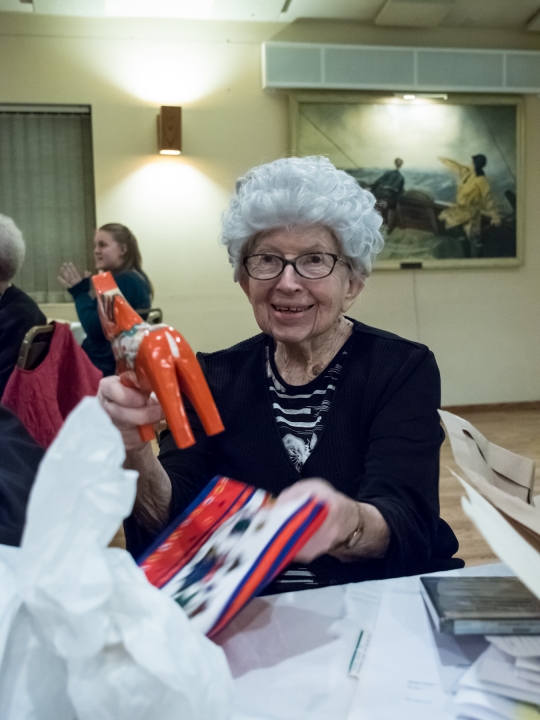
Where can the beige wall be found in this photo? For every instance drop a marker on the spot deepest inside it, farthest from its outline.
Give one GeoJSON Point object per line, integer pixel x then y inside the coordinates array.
{"type": "Point", "coordinates": [482, 325]}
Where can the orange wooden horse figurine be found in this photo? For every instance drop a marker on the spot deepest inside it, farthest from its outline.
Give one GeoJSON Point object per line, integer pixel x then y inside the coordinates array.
{"type": "Point", "coordinates": [155, 358]}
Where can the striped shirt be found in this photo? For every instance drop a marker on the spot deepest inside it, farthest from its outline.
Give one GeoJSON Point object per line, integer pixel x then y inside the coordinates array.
{"type": "Point", "coordinates": [301, 410]}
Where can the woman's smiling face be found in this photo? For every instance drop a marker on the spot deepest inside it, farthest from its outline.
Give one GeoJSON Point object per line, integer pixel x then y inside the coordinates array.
{"type": "Point", "coordinates": [291, 308]}
{"type": "Point", "coordinates": [108, 254]}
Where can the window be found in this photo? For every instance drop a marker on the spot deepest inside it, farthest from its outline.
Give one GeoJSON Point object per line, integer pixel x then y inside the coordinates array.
{"type": "Point", "coordinates": [47, 187]}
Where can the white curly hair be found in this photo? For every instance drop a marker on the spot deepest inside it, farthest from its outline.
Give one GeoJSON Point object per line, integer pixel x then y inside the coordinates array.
{"type": "Point", "coordinates": [12, 248]}
{"type": "Point", "coordinates": [298, 192]}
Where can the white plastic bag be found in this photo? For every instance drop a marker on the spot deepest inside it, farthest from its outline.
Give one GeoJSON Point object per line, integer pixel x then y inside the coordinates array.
{"type": "Point", "coordinates": [83, 635]}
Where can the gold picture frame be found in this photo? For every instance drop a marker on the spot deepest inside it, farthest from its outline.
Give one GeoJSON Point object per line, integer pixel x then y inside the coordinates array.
{"type": "Point", "coordinates": [441, 208]}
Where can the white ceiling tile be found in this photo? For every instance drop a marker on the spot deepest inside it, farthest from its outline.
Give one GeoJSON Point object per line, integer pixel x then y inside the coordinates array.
{"type": "Point", "coordinates": [247, 10]}
{"type": "Point", "coordinates": [533, 24]}
{"type": "Point", "coordinates": [503, 14]}
{"type": "Point", "coordinates": [180, 9]}
{"type": "Point", "coordinates": [81, 8]}
{"type": "Point", "coordinates": [507, 14]}
{"type": "Point", "coordinates": [361, 10]}
{"type": "Point", "coordinates": [413, 13]}
{"type": "Point", "coordinates": [15, 6]}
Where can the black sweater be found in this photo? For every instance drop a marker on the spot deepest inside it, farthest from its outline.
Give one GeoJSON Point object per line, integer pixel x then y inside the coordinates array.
{"type": "Point", "coordinates": [380, 445]}
{"type": "Point", "coordinates": [20, 456]}
{"type": "Point", "coordinates": [18, 313]}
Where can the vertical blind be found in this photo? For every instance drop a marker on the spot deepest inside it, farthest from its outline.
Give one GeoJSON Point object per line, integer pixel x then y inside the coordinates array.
{"type": "Point", "coordinates": [47, 187]}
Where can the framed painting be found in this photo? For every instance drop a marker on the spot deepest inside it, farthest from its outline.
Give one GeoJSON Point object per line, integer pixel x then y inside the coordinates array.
{"type": "Point", "coordinates": [446, 170]}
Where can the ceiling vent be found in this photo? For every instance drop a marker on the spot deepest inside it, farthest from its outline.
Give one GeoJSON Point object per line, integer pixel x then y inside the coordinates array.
{"type": "Point", "coordinates": [361, 67]}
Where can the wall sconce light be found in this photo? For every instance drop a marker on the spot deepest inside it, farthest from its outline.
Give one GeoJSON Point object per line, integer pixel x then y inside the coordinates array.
{"type": "Point", "coordinates": [169, 124]}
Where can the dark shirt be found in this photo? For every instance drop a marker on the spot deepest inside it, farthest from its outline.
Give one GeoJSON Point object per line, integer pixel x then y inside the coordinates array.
{"type": "Point", "coordinates": [380, 445]}
{"type": "Point", "coordinates": [134, 288]}
{"type": "Point", "coordinates": [19, 459]}
{"type": "Point", "coordinates": [18, 313]}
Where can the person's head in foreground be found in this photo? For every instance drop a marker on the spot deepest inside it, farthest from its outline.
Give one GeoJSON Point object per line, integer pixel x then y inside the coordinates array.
{"type": "Point", "coordinates": [316, 404]}
{"type": "Point", "coordinates": [12, 250]}
{"type": "Point", "coordinates": [301, 236]}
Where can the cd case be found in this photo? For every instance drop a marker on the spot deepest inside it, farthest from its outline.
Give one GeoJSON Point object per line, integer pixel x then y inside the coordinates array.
{"type": "Point", "coordinates": [226, 547]}
{"type": "Point", "coordinates": [481, 605]}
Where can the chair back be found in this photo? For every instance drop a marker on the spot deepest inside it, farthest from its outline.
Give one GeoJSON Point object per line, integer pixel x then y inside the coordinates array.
{"type": "Point", "coordinates": [35, 346]}
{"type": "Point", "coordinates": [153, 316]}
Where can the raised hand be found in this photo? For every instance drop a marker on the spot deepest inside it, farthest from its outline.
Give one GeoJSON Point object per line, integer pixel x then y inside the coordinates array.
{"type": "Point", "coordinates": [70, 276]}
{"type": "Point", "coordinates": [155, 358]}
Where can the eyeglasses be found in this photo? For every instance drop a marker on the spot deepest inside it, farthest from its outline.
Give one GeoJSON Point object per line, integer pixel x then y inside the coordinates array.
{"type": "Point", "coordinates": [311, 266]}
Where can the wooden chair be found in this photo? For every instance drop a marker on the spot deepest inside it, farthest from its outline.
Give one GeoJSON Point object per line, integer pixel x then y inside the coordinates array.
{"type": "Point", "coordinates": [35, 346]}
{"type": "Point", "coordinates": [153, 316]}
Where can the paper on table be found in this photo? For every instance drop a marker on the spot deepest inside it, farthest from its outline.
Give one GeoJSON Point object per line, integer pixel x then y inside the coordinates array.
{"type": "Point", "coordinates": [514, 544]}
{"type": "Point", "coordinates": [487, 706]}
{"type": "Point", "coordinates": [517, 645]}
{"type": "Point", "coordinates": [474, 454]}
{"type": "Point", "coordinates": [454, 654]}
{"type": "Point", "coordinates": [502, 477]}
{"type": "Point", "coordinates": [399, 678]}
{"type": "Point", "coordinates": [498, 498]}
{"type": "Point", "coordinates": [528, 663]}
{"type": "Point", "coordinates": [532, 676]}
{"type": "Point", "coordinates": [289, 654]}
{"type": "Point", "coordinates": [521, 512]}
{"type": "Point", "coordinates": [495, 672]}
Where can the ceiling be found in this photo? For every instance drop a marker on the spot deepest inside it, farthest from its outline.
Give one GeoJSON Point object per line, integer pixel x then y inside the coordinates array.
{"type": "Point", "coordinates": [502, 14]}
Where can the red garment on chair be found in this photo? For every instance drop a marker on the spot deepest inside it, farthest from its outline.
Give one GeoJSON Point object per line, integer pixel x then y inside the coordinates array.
{"type": "Point", "coordinates": [43, 398]}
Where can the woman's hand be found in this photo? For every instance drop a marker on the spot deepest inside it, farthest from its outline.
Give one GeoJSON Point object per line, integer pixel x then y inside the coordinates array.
{"type": "Point", "coordinates": [70, 276]}
{"type": "Point", "coordinates": [128, 408]}
{"type": "Point", "coordinates": [344, 516]}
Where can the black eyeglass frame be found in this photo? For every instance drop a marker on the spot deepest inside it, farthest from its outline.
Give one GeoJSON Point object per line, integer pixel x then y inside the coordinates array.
{"type": "Point", "coordinates": [285, 262]}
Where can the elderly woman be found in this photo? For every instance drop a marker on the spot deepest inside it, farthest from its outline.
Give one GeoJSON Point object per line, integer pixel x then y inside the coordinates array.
{"type": "Point", "coordinates": [317, 402]}
{"type": "Point", "coordinates": [18, 312]}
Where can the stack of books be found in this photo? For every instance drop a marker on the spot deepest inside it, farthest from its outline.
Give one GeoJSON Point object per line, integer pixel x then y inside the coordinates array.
{"type": "Point", "coordinates": [481, 605]}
